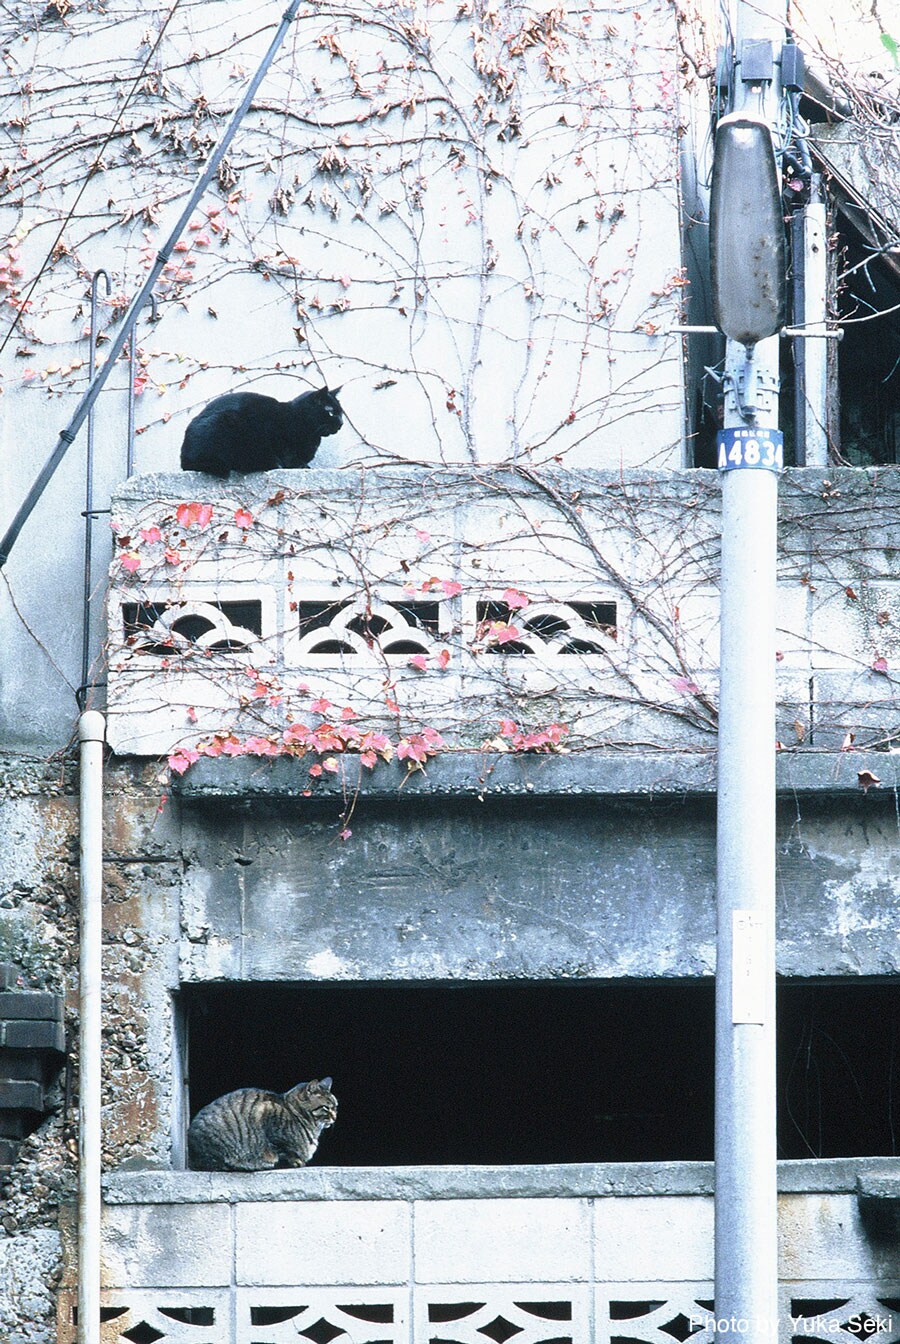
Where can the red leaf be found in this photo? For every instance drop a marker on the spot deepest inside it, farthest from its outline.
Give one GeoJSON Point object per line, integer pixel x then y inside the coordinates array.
{"type": "Point", "coordinates": [685, 685]}
{"type": "Point", "coordinates": [243, 518]}
{"type": "Point", "coordinates": [182, 758]}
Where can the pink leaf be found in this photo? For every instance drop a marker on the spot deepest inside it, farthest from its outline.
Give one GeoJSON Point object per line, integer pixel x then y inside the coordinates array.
{"type": "Point", "coordinates": [151, 534]}
{"type": "Point", "coordinates": [315, 771]}
{"type": "Point", "coordinates": [369, 759]}
{"type": "Point", "coordinates": [418, 661]}
{"type": "Point", "coordinates": [423, 536]}
{"type": "Point", "coordinates": [685, 685]}
{"type": "Point", "coordinates": [450, 587]}
{"type": "Point", "coordinates": [171, 557]}
{"type": "Point", "coordinates": [508, 728]}
{"type": "Point", "coordinates": [346, 833]}
{"type": "Point", "coordinates": [131, 561]}
{"type": "Point", "coordinates": [880, 665]}
{"type": "Point", "coordinates": [514, 599]}
{"type": "Point", "coordinates": [242, 517]}
{"type": "Point", "coordinates": [320, 706]}
{"type": "Point", "coordinates": [348, 714]}
{"type": "Point", "coordinates": [443, 658]}
{"type": "Point", "coordinates": [182, 758]}
{"type": "Point", "coordinates": [331, 765]}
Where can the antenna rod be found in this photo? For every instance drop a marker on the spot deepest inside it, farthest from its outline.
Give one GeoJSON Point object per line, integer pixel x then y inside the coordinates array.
{"type": "Point", "coordinates": [67, 436]}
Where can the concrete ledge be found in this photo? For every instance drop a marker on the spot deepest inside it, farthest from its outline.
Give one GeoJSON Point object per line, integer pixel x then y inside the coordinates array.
{"type": "Point", "coordinates": [663, 774]}
{"type": "Point", "coordinates": [582, 1180]}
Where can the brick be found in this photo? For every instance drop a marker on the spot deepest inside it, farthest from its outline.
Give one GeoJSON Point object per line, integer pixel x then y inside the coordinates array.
{"type": "Point", "coordinates": [9, 974]}
{"type": "Point", "coordinates": [651, 1238]}
{"type": "Point", "coordinates": [19, 1096]}
{"type": "Point", "coordinates": [34, 1004]}
{"type": "Point", "coordinates": [16, 1124]}
{"type": "Point", "coordinates": [503, 1240]}
{"type": "Point", "coordinates": [322, 1242]}
{"type": "Point", "coordinates": [167, 1246]}
{"type": "Point", "coordinates": [8, 1151]}
{"type": "Point", "coordinates": [23, 1066]}
{"type": "Point", "coordinates": [25, 1035]}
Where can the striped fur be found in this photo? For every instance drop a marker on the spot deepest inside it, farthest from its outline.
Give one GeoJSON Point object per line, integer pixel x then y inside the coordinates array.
{"type": "Point", "coordinates": [251, 1129]}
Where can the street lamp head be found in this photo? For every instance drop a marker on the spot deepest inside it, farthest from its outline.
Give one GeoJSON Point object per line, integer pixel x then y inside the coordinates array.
{"type": "Point", "coordinates": [747, 257]}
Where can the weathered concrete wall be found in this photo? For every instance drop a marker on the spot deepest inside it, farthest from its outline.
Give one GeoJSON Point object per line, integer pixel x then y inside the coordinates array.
{"type": "Point", "coordinates": [497, 889]}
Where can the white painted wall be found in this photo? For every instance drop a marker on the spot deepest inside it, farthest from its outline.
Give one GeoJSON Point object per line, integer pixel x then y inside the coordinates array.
{"type": "Point", "coordinates": [465, 215]}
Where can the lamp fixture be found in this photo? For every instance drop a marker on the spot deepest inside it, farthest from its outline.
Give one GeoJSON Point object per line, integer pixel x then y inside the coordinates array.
{"type": "Point", "coordinates": [747, 251]}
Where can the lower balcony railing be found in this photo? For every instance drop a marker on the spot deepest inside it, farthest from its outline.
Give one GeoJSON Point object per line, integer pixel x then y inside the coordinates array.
{"type": "Point", "coordinates": [564, 1255]}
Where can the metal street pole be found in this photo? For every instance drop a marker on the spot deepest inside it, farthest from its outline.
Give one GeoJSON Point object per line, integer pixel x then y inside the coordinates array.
{"type": "Point", "coordinates": [746, 1268]}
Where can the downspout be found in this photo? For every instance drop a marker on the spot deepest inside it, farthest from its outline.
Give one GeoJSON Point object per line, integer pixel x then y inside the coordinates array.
{"type": "Point", "coordinates": [91, 733]}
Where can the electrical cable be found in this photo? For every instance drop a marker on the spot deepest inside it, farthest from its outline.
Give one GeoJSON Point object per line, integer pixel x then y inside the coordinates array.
{"type": "Point", "coordinates": [90, 173]}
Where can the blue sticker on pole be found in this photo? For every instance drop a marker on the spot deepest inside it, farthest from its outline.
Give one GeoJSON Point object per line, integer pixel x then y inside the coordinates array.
{"type": "Point", "coordinates": [753, 449]}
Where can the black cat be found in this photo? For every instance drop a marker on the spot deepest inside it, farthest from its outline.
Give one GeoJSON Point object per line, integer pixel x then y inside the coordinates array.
{"type": "Point", "coordinates": [246, 431]}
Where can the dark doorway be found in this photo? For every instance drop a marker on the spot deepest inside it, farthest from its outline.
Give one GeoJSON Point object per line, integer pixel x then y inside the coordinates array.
{"type": "Point", "coordinates": [546, 1072]}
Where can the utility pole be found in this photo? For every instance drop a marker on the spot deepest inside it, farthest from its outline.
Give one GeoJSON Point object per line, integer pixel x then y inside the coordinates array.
{"type": "Point", "coordinates": [746, 1268]}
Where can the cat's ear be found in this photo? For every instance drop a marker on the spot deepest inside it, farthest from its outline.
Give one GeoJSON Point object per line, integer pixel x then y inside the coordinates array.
{"type": "Point", "coordinates": [334, 390]}
{"type": "Point", "coordinates": [326, 1083]}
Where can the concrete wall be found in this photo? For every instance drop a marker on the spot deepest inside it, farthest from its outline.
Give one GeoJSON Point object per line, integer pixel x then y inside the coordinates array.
{"type": "Point", "coordinates": [468, 220]}
{"type": "Point", "coordinates": [267, 1256]}
{"type": "Point", "coordinates": [612, 577]}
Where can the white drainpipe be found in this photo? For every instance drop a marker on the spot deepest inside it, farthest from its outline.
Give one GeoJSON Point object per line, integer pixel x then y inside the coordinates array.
{"type": "Point", "coordinates": [91, 733]}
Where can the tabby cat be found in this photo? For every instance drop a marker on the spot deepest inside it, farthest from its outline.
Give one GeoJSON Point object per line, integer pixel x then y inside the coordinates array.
{"type": "Point", "coordinates": [246, 431]}
{"type": "Point", "coordinates": [252, 1130]}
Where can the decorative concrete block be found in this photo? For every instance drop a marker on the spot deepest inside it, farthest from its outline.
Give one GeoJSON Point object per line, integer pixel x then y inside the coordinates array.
{"type": "Point", "coordinates": [530, 1313]}
{"type": "Point", "coordinates": [353, 1315]}
{"type": "Point", "coordinates": [502, 1241]}
{"type": "Point", "coordinates": [359, 1241]}
{"type": "Point", "coordinates": [167, 1245]}
{"type": "Point", "coordinates": [823, 1237]}
{"type": "Point", "coordinates": [652, 1238]}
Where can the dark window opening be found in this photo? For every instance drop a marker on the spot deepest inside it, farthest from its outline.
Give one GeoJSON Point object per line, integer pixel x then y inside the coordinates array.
{"type": "Point", "coordinates": [369, 625]}
{"type": "Point", "coordinates": [869, 353]}
{"type": "Point", "coordinates": [141, 619]}
{"type": "Point", "coordinates": [570, 618]}
{"type": "Point", "coordinates": [546, 1071]}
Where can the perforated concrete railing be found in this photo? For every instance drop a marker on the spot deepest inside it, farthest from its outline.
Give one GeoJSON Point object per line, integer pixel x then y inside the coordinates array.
{"type": "Point", "coordinates": [464, 600]}
{"type": "Point", "coordinates": [422, 1255]}
{"type": "Point", "coordinates": [551, 1313]}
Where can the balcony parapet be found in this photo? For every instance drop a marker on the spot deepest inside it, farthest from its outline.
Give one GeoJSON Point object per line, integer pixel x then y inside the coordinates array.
{"type": "Point", "coordinates": [413, 613]}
